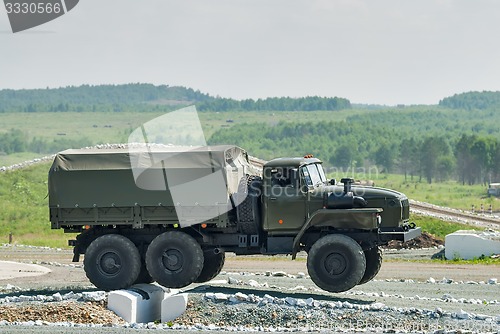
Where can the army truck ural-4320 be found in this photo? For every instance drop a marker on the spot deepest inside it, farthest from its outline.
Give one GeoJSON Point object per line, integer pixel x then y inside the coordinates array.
{"type": "Point", "coordinates": [137, 224]}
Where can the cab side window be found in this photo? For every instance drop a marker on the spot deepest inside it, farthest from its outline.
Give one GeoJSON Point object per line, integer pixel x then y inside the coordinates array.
{"type": "Point", "coordinates": [281, 177]}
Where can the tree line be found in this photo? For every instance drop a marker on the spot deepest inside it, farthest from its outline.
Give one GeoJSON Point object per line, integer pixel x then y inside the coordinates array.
{"type": "Point", "coordinates": [148, 97]}
{"type": "Point", "coordinates": [309, 103]}
{"type": "Point", "coordinates": [468, 158]}
{"type": "Point", "coordinates": [98, 98]}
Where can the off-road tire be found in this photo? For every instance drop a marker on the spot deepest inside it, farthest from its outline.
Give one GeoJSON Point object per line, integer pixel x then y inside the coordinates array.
{"type": "Point", "coordinates": [336, 263]}
{"type": "Point", "coordinates": [112, 262]}
{"type": "Point", "coordinates": [212, 266]}
{"type": "Point", "coordinates": [248, 211]}
{"type": "Point", "coordinates": [174, 259]}
{"type": "Point", "coordinates": [373, 263]}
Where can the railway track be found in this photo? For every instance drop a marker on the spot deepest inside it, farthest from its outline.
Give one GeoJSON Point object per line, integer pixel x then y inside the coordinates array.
{"type": "Point", "coordinates": [480, 220]}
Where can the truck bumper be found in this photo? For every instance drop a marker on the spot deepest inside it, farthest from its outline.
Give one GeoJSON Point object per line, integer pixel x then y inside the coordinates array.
{"type": "Point", "coordinates": [399, 234]}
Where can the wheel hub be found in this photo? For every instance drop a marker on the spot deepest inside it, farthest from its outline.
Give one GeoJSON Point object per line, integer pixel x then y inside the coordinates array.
{"type": "Point", "coordinates": [335, 264]}
{"type": "Point", "coordinates": [172, 260]}
{"type": "Point", "coordinates": [109, 263]}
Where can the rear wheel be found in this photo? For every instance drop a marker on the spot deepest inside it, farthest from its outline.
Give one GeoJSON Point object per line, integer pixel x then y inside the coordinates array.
{"type": "Point", "coordinates": [212, 265]}
{"type": "Point", "coordinates": [174, 259]}
{"type": "Point", "coordinates": [373, 263]}
{"type": "Point", "coordinates": [112, 262]}
{"type": "Point", "coordinates": [336, 263]}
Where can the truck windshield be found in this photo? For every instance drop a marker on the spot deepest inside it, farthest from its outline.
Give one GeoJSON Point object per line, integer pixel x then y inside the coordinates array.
{"type": "Point", "coordinates": [321, 172]}
{"type": "Point", "coordinates": [312, 175]}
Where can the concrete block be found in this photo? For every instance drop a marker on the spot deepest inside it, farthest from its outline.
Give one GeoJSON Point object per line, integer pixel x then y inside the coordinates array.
{"type": "Point", "coordinates": [173, 306]}
{"type": "Point", "coordinates": [141, 303]}
{"type": "Point", "coordinates": [470, 244]}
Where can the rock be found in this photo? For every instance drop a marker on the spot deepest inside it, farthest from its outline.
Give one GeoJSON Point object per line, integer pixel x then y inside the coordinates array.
{"type": "Point", "coordinates": [94, 296]}
{"type": "Point", "coordinates": [347, 305]}
{"type": "Point", "coordinates": [301, 275]}
{"type": "Point", "coordinates": [482, 316]}
{"type": "Point", "coordinates": [232, 280]}
{"type": "Point", "coordinates": [241, 296]}
{"type": "Point", "coordinates": [69, 295]}
{"type": "Point", "coordinates": [291, 301]}
{"type": "Point", "coordinates": [463, 315]}
{"type": "Point", "coordinates": [220, 296]}
{"type": "Point", "coordinates": [492, 281]}
{"type": "Point", "coordinates": [301, 303]}
{"type": "Point", "coordinates": [254, 284]}
{"type": "Point", "coordinates": [24, 298]}
{"type": "Point", "coordinates": [377, 306]}
{"type": "Point", "coordinates": [431, 280]}
{"type": "Point", "coordinates": [268, 298]}
{"type": "Point", "coordinates": [12, 287]}
{"type": "Point", "coordinates": [279, 274]}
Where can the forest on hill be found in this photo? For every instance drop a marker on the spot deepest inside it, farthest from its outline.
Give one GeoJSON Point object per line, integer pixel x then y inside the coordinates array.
{"type": "Point", "coordinates": [148, 97]}
{"type": "Point", "coordinates": [472, 100]}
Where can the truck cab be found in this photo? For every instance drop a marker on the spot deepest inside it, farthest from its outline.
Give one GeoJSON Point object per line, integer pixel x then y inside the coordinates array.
{"type": "Point", "coordinates": [295, 189]}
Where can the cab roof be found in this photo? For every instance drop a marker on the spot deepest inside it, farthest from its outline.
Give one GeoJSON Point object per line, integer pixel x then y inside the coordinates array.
{"type": "Point", "coordinates": [291, 162]}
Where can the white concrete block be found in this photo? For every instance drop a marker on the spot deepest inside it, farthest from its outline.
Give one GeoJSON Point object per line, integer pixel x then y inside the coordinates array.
{"type": "Point", "coordinates": [141, 303]}
{"type": "Point", "coordinates": [468, 244]}
{"type": "Point", "coordinates": [173, 306]}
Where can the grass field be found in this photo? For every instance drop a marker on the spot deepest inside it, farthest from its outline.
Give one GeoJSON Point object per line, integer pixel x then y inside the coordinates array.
{"type": "Point", "coordinates": [115, 127]}
{"type": "Point", "coordinates": [23, 208]}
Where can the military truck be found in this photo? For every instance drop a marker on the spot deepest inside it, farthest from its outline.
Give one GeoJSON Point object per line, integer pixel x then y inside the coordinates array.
{"type": "Point", "coordinates": [169, 215]}
{"type": "Point", "coordinates": [494, 189]}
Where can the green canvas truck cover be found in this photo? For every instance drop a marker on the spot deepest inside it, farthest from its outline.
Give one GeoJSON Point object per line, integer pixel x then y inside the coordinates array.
{"type": "Point", "coordinates": [197, 181]}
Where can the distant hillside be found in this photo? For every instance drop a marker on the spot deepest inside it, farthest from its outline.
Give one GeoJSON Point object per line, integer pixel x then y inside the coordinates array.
{"type": "Point", "coordinates": [148, 97]}
{"type": "Point", "coordinates": [91, 97]}
{"type": "Point", "coordinates": [472, 100]}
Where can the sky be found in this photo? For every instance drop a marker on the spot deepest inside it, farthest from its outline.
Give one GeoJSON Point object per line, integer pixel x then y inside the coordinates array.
{"type": "Point", "coordinates": [373, 52]}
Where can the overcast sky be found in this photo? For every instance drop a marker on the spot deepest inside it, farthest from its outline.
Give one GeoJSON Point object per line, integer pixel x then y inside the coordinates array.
{"type": "Point", "coordinates": [381, 52]}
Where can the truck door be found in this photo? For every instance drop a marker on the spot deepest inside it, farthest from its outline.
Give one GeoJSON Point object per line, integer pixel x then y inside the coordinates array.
{"type": "Point", "coordinates": [284, 202]}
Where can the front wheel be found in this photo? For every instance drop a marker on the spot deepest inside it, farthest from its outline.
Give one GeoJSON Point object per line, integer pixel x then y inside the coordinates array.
{"type": "Point", "coordinates": [112, 262]}
{"type": "Point", "coordinates": [174, 259]}
{"type": "Point", "coordinates": [336, 263]}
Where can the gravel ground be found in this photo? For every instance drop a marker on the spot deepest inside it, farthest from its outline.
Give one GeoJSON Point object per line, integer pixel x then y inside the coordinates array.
{"type": "Point", "coordinates": [265, 294]}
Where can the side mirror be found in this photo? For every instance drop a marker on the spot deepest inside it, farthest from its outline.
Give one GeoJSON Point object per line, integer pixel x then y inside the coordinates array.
{"type": "Point", "coordinates": [333, 182]}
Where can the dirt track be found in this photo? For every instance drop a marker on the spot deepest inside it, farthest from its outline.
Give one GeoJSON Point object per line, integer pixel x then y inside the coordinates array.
{"type": "Point", "coordinates": [400, 285]}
